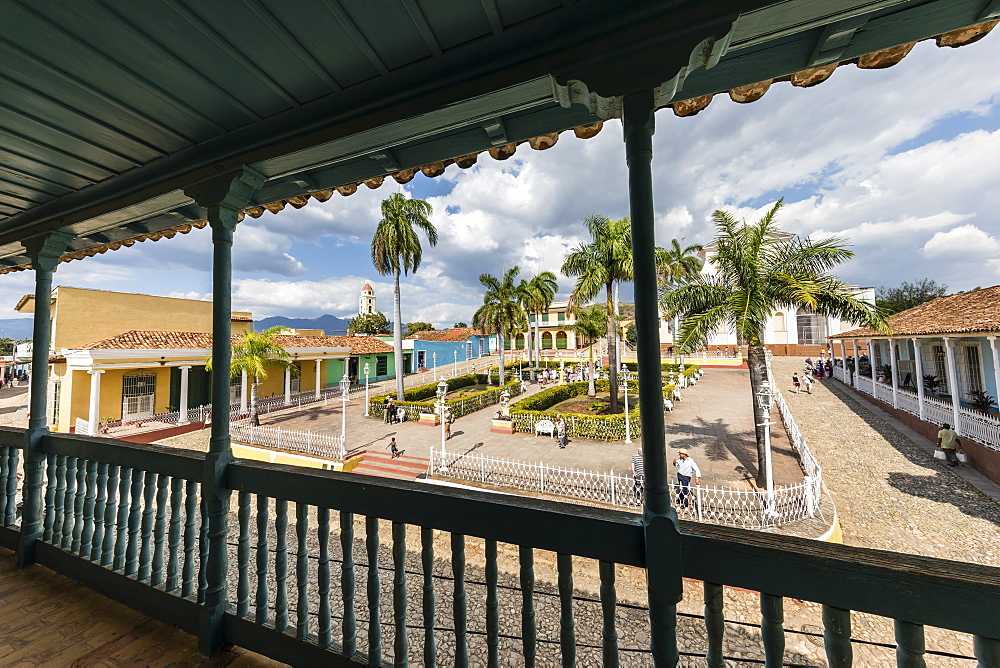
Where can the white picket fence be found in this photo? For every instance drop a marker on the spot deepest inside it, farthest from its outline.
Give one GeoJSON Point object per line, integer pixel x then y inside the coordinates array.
{"type": "Point", "coordinates": [981, 427]}
{"type": "Point", "coordinates": [307, 443]}
{"type": "Point", "coordinates": [747, 509]}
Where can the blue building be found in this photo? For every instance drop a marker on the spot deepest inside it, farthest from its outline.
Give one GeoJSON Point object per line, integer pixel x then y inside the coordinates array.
{"type": "Point", "coordinates": [448, 346]}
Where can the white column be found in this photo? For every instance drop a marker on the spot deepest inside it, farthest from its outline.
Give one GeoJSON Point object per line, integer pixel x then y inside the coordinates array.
{"type": "Point", "coordinates": [920, 375]}
{"type": "Point", "coordinates": [571, 343]}
{"type": "Point", "coordinates": [871, 364]}
{"type": "Point", "coordinates": [243, 391]}
{"type": "Point", "coordinates": [184, 394]}
{"type": "Point", "coordinates": [893, 362]}
{"type": "Point", "coordinates": [319, 381]}
{"type": "Point", "coordinates": [94, 417]}
{"type": "Point", "coordinates": [288, 384]}
{"type": "Point", "coordinates": [956, 400]}
{"type": "Point", "coordinates": [843, 362]}
{"type": "Point", "coordinates": [996, 362]}
{"type": "Point", "coordinates": [854, 376]}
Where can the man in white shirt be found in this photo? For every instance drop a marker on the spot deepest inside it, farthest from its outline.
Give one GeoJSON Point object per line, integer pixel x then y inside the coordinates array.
{"type": "Point", "coordinates": [686, 469]}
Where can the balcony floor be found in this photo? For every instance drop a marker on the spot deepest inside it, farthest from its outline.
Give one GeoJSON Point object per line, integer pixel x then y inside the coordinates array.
{"type": "Point", "coordinates": [49, 620]}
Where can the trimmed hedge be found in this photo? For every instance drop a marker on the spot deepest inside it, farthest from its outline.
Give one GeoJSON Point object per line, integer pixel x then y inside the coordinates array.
{"type": "Point", "coordinates": [665, 367]}
{"type": "Point", "coordinates": [528, 411]}
{"type": "Point", "coordinates": [414, 403]}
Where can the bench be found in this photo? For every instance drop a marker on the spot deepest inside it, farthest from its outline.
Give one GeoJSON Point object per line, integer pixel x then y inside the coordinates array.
{"type": "Point", "coordinates": [545, 427]}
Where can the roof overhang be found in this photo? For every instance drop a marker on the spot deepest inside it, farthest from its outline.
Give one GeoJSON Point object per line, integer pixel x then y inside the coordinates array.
{"type": "Point", "coordinates": [111, 109]}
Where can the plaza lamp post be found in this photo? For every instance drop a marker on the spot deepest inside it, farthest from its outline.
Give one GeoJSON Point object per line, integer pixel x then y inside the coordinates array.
{"type": "Point", "coordinates": [766, 398]}
{"type": "Point", "coordinates": [628, 421]}
{"type": "Point", "coordinates": [442, 391]}
{"type": "Point", "coordinates": [345, 386]}
{"type": "Point", "coordinates": [367, 368]}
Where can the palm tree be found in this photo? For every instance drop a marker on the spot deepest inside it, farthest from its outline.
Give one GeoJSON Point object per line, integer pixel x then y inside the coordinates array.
{"type": "Point", "coordinates": [255, 353]}
{"type": "Point", "coordinates": [602, 263]}
{"type": "Point", "coordinates": [501, 311]}
{"type": "Point", "coordinates": [591, 322]}
{"type": "Point", "coordinates": [396, 249]}
{"type": "Point", "coordinates": [758, 270]}
{"type": "Point", "coordinates": [536, 295]}
{"type": "Point", "coordinates": [674, 265]}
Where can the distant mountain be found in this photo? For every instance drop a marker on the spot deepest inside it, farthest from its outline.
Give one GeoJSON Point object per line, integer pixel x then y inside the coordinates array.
{"type": "Point", "coordinates": [330, 324]}
{"type": "Point", "coordinates": [15, 328]}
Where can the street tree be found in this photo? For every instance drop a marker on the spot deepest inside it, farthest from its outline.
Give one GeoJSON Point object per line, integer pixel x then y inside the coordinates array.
{"type": "Point", "coordinates": [396, 250]}
{"type": "Point", "coordinates": [591, 322]}
{"type": "Point", "coordinates": [257, 353]}
{"type": "Point", "coordinates": [536, 295]}
{"type": "Point", "coordinates": [757, 272]}
{"type": "Point", "coordinates": [369, 323]}
{"type": "Point", "coordinates": [907, 295]}
{"type": "Point", "coordinates": [501, 311]}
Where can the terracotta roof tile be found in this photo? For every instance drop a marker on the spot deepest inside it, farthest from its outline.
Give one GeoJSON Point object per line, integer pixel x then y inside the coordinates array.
{"type": "Point", "coordinates": [453, 334]}
{"type": "Point", "coordinates": [977, 311]}
{"type": "Point", "coordinates": [156, 340]}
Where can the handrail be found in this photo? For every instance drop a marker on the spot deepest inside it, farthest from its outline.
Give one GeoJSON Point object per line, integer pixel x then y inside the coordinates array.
{"type": "Point", "coordinates": [952, 594]}
{"type": "Point", "coordinates": [187, 464]}
{"type": "Point", "coordinates": [548, 525]}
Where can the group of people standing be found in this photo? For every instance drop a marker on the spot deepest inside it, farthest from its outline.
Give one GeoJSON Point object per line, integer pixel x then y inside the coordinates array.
{"type": "Point", "coordinates": [12, 380]}
{"type": "Point", "coordinates": [823, 368]}
{"type": "Point", "coordinates": [574, 373]}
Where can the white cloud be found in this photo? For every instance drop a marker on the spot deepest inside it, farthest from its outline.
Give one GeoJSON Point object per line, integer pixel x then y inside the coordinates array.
{"type": "Point", "coordinates": [967, 242]}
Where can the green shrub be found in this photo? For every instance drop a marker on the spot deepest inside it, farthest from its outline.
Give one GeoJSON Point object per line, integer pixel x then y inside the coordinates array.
{"type": "Point", "coordinates": [526, 412]}
{"type": "Point", "coordinates": [415, 397]}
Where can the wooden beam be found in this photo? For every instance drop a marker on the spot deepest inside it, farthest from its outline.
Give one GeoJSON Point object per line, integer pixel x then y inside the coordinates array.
{"type": "Point", "coordinates": [835, 38]}
{"type": "Point", "coordinates": [355, 34]}
{"type": "Point", "coordinates": [424, 28]}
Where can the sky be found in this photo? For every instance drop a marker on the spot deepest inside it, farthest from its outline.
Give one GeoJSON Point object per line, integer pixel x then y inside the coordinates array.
{"type": "Point", "coordinates": [903, 164]}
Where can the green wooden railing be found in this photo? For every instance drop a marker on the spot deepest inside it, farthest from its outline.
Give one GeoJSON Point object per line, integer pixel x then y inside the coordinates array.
{"type": "Point", "coordinates": [129, 521]}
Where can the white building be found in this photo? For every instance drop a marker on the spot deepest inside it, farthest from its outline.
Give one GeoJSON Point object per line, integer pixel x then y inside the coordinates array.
{"type": "Point", "coordinates": [787, 331]}
{"type": "Point", "coordinates": [366, 302]}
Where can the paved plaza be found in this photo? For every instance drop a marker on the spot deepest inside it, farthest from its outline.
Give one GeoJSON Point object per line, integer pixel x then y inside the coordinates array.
{"type": "Point", "coordinates": [714, 422]}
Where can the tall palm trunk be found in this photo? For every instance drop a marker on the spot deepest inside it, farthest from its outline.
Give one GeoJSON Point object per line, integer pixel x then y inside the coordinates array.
{"type": "Point", "coordinates": [591, 385]}
{"type": "Point", "coordinates": [612, 350]}
{"type": "Point", "coordinates": [757, 360]}
{"type": "Point", "coordinates": [500, 348]}
{"type": "Point", "coordinates": [254, 416]}
{"type": "Point", "coordinates": [397, 336]}
{"type": "Point", "coordinates": [537, 342]}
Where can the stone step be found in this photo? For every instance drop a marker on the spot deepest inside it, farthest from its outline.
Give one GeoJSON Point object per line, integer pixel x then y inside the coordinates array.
{"type": "Point", "coordinates": [386, 472]}
{"type": "Point", "coordinates": [418, 464]}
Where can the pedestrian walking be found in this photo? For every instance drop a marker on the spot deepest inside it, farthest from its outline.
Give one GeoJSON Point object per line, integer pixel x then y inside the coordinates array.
{"type": "Point", "coordinates": [393, 448]}
{"type": "Point", "coordinates": [686, 469]}
{"type": "Point", "coordinates": [947, 440]}
{"type": "Point", "coordinates": [449, 419]}
{"type": "Point", "coordinates": [638, 473]}
{"type": "Point", "coordinates": [561, 432]}
{"type": "Point", "coordinates": [386, 406]}
{"type": "Point", "coordinates": [807, 382]}
{"type": "Point", "coordinates": [795, 383]}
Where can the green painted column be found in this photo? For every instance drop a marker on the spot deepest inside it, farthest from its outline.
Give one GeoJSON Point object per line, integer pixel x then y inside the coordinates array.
{"type": "Point", "coordinates": [223, 197]}
{"type": "Point", "coordinates": [44, 252]}
{"type": "Point", "coordinates": [663, 557]}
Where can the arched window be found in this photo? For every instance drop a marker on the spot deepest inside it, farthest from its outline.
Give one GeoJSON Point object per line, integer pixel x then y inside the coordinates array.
{"type": "Point", "coordinates": [779, 322]}
{"type": "Point", "coordinates": [561, 340]}
{"type": "Point", "coordinates": [811, 328]}
{"type": "Point", "coordinates": [547, 340]}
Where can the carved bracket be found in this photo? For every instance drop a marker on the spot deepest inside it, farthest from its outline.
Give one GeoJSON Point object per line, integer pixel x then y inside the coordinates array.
{"type": "Point", "coordinates": [45, 250]}
{"type": "Point", "coordinates": [223, 196]}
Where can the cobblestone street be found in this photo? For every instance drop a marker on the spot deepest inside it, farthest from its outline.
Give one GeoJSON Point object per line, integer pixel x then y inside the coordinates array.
{"type": "Point", "coordinates": [890, 493]}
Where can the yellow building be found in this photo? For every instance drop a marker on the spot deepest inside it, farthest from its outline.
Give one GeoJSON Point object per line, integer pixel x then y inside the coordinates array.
{"type": "Point", "coordinates": [555, 330]}
{"type": "Point", "coordinates": [121, 356]}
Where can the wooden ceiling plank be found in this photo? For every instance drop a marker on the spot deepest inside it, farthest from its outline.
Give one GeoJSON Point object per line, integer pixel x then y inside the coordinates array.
{"type": "Point", "coordinates": [355, 34]}
{"type": "Point", "coordinates": [492, 15]}
{"type": "Point", "coordinates": [39, 183]}
{"type": "Point", "coordinates": [292, 43]}
{"type": "Point", "coordinates": [54, 149]}
{"type": "Point", "coordinates": [423, 27]}
{"type": "Point", "coordinates": [990, 11]}
{"type": "Point", "coordinates": [230, 50]}
{"type": "Point", "coordinates": [175, 58]}
{"type": "Point", "coordinates": [121, 70]}
{"type": "Point", "coordinates": [75, 111]}
{"type": "Point", "coordinates": [48, 166]}
{"type": "Point", "coordinates": [13, 202]}
{"type": "Point", "coordinates": [18, 189]}
{"type": "Point", "coordinates": [105, 97]}
{"type": "Point", "coordinates": [39, 123]}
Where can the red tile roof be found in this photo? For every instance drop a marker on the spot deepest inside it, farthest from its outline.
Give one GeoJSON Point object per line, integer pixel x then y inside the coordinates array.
{"type": "Point", "coordinates": [977, 311]}
{"type": "Point", "coordinates": [453, 334]}
{"type": "Point", "coordinates": [155, 340]}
